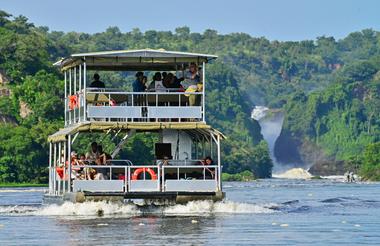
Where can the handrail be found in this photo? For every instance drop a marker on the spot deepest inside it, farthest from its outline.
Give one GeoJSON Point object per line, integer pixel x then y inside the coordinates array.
{"type": "Point", "coordinates": [145, 93]}
{"type": "Point", "coordinates": [160, 170]}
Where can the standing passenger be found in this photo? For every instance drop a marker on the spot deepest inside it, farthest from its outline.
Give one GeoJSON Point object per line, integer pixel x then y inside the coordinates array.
{"type": "Point", "coordinates": [138, 83]}
{"type": "Point", "coordinates": [92, 155]}
{"type": "Point", "coordinates": [97, 83]}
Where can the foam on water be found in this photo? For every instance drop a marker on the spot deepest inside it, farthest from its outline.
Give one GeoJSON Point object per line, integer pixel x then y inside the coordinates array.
{"type": "Point", "coordinates": [21, 190]}
{"type": "Point", "coordinates": [209, 207]}
{"type": "Point", "coordinates": [17, 209]}
{"type": "Point", "coordinates": [107, 209]}
{"type": "Point", "coordinates": [294, 173]}
{"type": "Point", "coordinates": [89, 209]}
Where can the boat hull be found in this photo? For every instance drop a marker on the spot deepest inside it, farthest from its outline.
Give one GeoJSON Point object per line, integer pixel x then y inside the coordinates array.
{"type": "Point", "coordinates": [148, 198]}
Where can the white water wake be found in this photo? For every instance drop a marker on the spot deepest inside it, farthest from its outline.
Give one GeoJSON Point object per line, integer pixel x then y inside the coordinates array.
{"type": "Point", "coordinates": [108, 209]}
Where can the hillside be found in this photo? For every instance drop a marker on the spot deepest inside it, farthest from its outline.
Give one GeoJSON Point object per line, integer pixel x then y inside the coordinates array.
{"type": "Point", "coordinates": [36, 101]}
{"type": "Point", "coordinates": [327, 89]}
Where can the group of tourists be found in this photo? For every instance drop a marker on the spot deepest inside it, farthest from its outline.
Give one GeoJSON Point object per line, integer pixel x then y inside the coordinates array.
{"type": "Point", "coordinates": [96, 156]}
{"type": "Point", "coordinates": [161, 82]}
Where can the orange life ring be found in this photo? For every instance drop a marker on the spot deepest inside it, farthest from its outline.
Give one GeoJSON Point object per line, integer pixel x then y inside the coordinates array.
{"type": "Point", "coordinates": [73, 102]}
{"type": "Point", "coordinates": [138, 171]}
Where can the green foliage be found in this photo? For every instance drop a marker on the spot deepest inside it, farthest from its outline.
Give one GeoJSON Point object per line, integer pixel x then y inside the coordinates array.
{"type": "Point", "coordinates": [370, 162]}
{"type": "Point", "coordinates": [242, 176]}
{"type": "Point", "coordinates": [344, 117]}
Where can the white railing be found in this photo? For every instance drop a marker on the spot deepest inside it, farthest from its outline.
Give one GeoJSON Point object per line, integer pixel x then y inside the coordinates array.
{"type": "Point", "coordinates": [115, 105]}
{"type": "Point", "coordinates": [133, 178]}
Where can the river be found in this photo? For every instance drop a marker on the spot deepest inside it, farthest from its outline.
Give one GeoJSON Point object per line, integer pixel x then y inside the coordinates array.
{"type": "Point", "coordinates": [264, 212]}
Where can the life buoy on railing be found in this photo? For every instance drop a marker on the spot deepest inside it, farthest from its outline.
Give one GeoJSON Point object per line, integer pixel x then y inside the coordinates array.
{"type": "Point", "coordinates": [73, 101]}
{"type": "Point", "coordinates": [138, 171]}
{"type": "Point", "coordinates": [60, 172]}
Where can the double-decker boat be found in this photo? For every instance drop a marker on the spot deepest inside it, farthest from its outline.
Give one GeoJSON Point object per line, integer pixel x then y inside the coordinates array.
{"type": "Point", "coordinates": [177, 173]}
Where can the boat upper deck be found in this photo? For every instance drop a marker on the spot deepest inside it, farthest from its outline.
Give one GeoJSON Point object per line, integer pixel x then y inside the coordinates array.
{"type": "Point", "coordinates": [182, 103]}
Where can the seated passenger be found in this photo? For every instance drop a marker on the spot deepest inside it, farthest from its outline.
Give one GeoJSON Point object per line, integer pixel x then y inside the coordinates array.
{"type": "Point", "coordinates": [164, 75]}
{"type": "Point", "coordinates": [97, 83]}
{"type": "Point", "coordinates": [209, 162]}
{"type": "Point", "coordinates": [173, 81]}
{"type": "Point", "coordinates": [138, 85]}
{"type": "Point", "coordinates": [157, 84]}
{"type": "Point", "coordinates": [192, 77]}
{"type": "Point", "coordinates": [82, 159]}
{"type": "Point", "coordinates": [76, 173]}
{"type": "Point", "coordinates": [74, 158]}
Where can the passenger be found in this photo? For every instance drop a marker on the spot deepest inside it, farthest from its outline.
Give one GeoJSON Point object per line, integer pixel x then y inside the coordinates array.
{"type": "Point", "coordinates": [172, 82]}
{"type": "Point", "coordinates": [157, 84]}
{"type": "Point", "coordinates": [167, 81]}
{"type": "Point", "coordinates": [192, 77]}
{"type": "Point", "coordinates": [97, 83]}
{"type": "Point", "coordinates": [138, 85]}
{"type": "Point", "coordinates": [74, 158]}
{"type": "Point", "coordinates": [92, 155]}
{"type": "Point", "coordinates": [144, 81]}
{"type": "Point", "coordinates": [82, 159]}
{"type": "Point", "coordinates": [102, 159]}
{"type": "Point", "coordinates": [75, 171]}
{"type": "Point", "coordinates": [164, 74]}
{"type": "Point", "coordinates": [209, 162]}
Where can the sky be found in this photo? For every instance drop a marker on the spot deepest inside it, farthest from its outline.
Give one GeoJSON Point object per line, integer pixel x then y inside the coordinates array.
{"type": "Point", "coordinates": [285, 20]}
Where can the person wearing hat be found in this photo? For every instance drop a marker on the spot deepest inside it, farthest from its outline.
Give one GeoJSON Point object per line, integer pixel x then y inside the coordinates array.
{"type": "Point", "coordinates": [138, 85]}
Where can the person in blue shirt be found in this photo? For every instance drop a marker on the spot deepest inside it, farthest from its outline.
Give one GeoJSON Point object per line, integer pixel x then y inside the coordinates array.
{"type": "Point", "coordinates": [138, 85]}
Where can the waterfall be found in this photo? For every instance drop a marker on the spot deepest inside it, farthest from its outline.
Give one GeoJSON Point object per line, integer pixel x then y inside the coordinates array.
{"type": "Point", "coordinates": [271, 124]}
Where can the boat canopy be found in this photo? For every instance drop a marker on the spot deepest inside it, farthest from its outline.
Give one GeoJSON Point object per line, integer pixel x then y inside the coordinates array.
{"type": "Point", "coordinates": [134, 60]}
{"type": "Point", "coordinates": [192, 128]}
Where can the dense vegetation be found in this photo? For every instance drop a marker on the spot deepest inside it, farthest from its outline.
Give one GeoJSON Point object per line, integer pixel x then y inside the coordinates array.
{"type": "Point", "coordinates": [341, 121]}
{"type": "Point", "coordinates": [328, 89]}
{"type": "Point", "coordinates": [35, 108]}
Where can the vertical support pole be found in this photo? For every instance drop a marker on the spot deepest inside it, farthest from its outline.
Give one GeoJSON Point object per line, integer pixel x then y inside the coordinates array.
{"type": "Point", "coordinates": [60, 162]}
{"type": "Point", "coordinates": [50, 170]}
{"type": "Point", "coordinates": [163, 178]}
{"type": "Point", "coordinates": [65, 98]}
{"type": "Point", "coordinates": [55, 169]}
{"type": "Point", "coordinates": [75, 91]}
{"type": "Point", "coordinates": [70, 94]}
{"type": "Point", "coordinates": [64, 164]}
{"type": "Point", "coordinates": [211, 152]}
{"type": "Point", "coordinates": [219, 165]}
{"type": "Point", "coordinates": [159, 178]}
{"type": "Point", "coordinates": [69, 160]}
{"type": "Point", "coordinates": [203, 92]}
{"type": "Point", "coordinates": [80, 94]}
{"type": "Point", "coordinates": [84, 92]}
{"type": "Point", "coordinates": [204, 146]}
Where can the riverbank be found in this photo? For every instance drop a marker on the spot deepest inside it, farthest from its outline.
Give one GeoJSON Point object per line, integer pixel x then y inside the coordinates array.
{"type": "Point", "coordinates": [244, 176]}
{"type": "Point", "coordinates": [20, 185]}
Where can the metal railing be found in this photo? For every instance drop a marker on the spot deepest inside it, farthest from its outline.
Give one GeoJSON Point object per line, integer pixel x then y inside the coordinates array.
{"type": "Point", "coordinates": [115, 105]}
{"type": "Point", "coordinates": [135, 178]}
